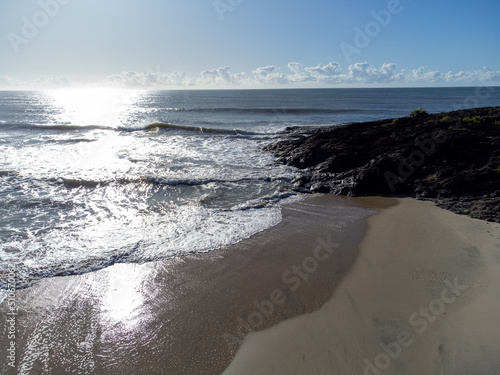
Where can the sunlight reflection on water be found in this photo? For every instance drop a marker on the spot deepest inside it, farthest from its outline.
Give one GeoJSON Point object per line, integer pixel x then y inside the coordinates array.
{"type": "Point", "coordinates": [93, 106]}
{"type": "Point", "coordinates": [123, 297]}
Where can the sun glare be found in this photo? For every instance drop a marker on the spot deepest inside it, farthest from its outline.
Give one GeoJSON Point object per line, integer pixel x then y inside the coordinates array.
{"type": "Point", "coordinates": [93, 106]}
{"type": "Point", "coordinates": [124, 295]}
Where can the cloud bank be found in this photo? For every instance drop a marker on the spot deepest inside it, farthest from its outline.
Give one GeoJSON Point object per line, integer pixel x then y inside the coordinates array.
{"type": "Point", "coordinates": [361, 74]}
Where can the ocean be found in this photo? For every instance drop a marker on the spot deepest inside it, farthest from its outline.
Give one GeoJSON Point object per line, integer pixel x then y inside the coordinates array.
{"type": "Point", "coordinates": [93, 177]}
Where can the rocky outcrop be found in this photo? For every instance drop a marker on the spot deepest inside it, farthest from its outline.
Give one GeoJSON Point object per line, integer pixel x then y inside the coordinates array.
{"type": "Point", "coordinates": [452, 158]}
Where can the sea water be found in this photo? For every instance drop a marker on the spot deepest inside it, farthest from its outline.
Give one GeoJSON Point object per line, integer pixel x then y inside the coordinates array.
{"type": "Point", "coordinates": [92, 177]}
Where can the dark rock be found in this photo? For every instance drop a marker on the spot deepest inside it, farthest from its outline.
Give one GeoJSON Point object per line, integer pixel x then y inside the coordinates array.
{"type": "Point", "coordinates": [446, 157]}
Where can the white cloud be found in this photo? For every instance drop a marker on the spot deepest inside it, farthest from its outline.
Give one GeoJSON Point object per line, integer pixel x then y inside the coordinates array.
{"type": "Point", "coordinates": [52, 82]}
{"type": "Point", "coordinates": [330, 69]}
{"type": "Point", "coordinates": [220, 76]}
{"type": "Point", "coordinates": [329, 73]}
{"type": "Point", "coordinates": [478, 75]}
{"type": "Point", "coordinates": [294, 67]}
{"type": "Point", "coordinates": [420, 75]}
{"type": "Point", "coordinates": [297, 75]}
{"type": "Point", "coordinates": [146, 79]}
{"type": "Point", "coordinates": [7, 83]}
{"type": "Point", "coordinates": [362, 72]}
{"type": "Point", "coordinates": [365, 73]}
{"type": "Point", "coordinates": [269, 75]}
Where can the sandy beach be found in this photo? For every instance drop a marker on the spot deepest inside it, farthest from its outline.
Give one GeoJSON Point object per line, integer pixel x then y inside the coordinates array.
{"type": "Point", "coordinates": [423, 297]}
{"type": "Point", "coordinates": [333, 289]}
{"type": "Point", "coordinates": [188, 315]}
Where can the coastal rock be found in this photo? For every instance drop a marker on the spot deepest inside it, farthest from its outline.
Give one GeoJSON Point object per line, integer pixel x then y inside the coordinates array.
{"type": "Point", "coordinates": [452, 158]}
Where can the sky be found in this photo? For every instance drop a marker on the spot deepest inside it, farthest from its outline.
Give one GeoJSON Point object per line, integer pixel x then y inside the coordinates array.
{"type": "Point", "coordinates": [162, 44]}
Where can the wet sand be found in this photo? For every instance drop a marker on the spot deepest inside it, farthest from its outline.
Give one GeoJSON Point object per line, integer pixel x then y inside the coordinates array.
{"type": "Point", "coordinates": [188, 315]}
{"type": "Point", "coordinates": [423, 297]}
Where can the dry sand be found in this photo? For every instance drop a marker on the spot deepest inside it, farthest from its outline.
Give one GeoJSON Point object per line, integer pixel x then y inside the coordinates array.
{"type": "Point", "coordinates": [423, 297]}
{"type": "Point", "coordinates": [187, 315]}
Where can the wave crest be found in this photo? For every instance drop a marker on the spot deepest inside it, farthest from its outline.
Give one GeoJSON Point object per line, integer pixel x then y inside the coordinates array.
{"type": "Point", "coordinates": [155, 126]}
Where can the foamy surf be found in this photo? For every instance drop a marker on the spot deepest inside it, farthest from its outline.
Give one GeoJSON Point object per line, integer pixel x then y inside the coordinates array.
{"type": "Point", "coordinates": [81, 197]}
{"type": "Point", "coordinates": [184, 230]}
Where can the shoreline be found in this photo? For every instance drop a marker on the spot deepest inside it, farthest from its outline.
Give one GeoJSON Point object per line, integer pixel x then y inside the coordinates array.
{"type": "Point", "coordinates": [309, 302]}
{"type": "Point", "coordinates": [422, 297]}
{"type": "Point", "coordinates": [189, 314]}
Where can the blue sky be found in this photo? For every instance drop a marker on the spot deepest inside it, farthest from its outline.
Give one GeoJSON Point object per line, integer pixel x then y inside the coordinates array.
{"type": "Point", "coordinates": [249, 43]}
